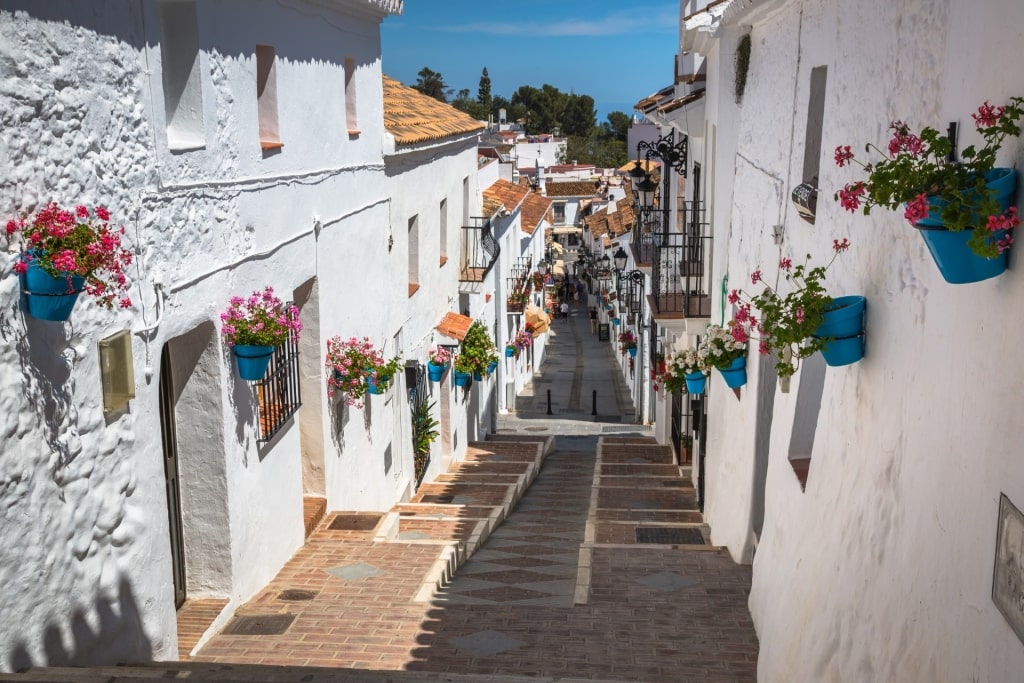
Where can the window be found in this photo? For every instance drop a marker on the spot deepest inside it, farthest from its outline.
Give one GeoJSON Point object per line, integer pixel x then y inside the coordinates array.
{"type": "Point", "coordinates": [414, 255]}
{"type": "Point", "coordinates": [351, 119]}
{"type": "Point", "coordinates": [182, 77]}
{"type": "Point", "coordinates": [266, 97]}
{"type": "Point", "coordinates": [559, 212]}
{"type": "Point", "coordinates": [277, 394]}
{"type": "Point", "coordinates": [444, 231]}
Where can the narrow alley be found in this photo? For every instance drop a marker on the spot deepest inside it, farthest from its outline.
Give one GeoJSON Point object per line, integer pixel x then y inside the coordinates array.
{"type": "Point", "coordinates": [564, 548]}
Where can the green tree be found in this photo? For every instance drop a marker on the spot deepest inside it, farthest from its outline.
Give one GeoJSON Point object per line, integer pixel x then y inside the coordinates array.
{"type": "Point", "coordinates": [431, 83]}
{"type": "Point", "coordinates": [578, 116]}
{"type": "Point", "coordinates": [617, 125]}
{"type": "Point", "coordinates": [483, 93]}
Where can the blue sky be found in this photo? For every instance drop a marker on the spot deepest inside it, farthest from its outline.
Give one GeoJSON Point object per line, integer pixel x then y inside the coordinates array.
{"type": "Point", "coordinates": [589, 47]}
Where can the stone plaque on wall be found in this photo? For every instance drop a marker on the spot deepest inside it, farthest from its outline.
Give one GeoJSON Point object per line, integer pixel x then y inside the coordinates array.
{"type": "Point", "coordinates": [1008, 575]}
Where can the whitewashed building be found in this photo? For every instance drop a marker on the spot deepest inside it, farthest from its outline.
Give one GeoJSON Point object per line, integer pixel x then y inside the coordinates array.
{"type": "Point", "coordinates": [242, 145]}
{"type": "Point", "coordinates": [869, 497]}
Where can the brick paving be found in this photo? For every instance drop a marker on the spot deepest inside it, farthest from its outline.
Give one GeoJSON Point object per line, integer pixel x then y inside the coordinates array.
{"type": "Point", "coordinates": [560, 588]}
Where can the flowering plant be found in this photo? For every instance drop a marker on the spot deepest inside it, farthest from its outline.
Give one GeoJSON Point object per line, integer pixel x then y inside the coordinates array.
{"type": "Point", "coordinates": [723, 346]}
{"type": "Point", "coordinates": [917, 167]}
{"type": "Point", "coordinates": [78, 243]}
{"type": "Point", "coordinates": [349, 362]}
{"type": "Point", "coordinates": [260, 320]}
{"type": "Point", "coordinates": [788, 322]}
{"type": "Point", "coordinates": [523, 340]}
{"type": "Point", "coordinates": [627, 340]}
{"type": "Point", "coordinates": [440, 356]}
{"type": "Point", "coordinates": [690, 361]}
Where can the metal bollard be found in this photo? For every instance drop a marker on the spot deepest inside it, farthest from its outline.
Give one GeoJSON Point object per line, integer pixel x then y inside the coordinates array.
{"type": "Point", "coordinates": [549, 401]}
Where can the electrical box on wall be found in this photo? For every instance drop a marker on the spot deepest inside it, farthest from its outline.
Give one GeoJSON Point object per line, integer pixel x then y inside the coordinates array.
{"type": "Point", "coordinates": [116, 371]}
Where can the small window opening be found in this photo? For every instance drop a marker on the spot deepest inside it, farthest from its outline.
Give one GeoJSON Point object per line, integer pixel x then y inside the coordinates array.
{"type": "Point", "coordinates": [351, 108]}
{"type": "Point", "coordinates": [182, 76]}
{"type": "Point", "coordinates": [266, 97]}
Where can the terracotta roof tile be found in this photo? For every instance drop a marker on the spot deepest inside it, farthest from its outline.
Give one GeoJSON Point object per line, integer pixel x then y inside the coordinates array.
{"type": "Point", "coordinates": [510, 195]}
{"type": "Point", "coordinates": [598, 223]}
{"type": "Point", "coordinates": [535, 210]}
{"type": "Point", "coordinates": [575, 188]}
{"type": "Point", "coordinates": [454, 325]}
{"type": "Point", "coordinates": [413, 117]}
{"type": "Point", "coordinates": [491, 206]}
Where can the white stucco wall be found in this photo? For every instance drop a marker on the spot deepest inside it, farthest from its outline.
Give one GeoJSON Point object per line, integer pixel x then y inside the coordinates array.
{"type": "Point", "coordinates": [85, 564]}
{"type": "Point", "coordinates": [882, 568]}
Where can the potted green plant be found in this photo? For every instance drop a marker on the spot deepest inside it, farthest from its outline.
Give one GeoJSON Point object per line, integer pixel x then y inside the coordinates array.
{"type": "Point", "coordinates": [477, 350]}
{"type": "Point", "coordinates": [956, 204]}
{"type": "Point", "coordinates": [424, 432]}
{"type": "Point", "coordinates": [253, 327]}
{"type": "Point", "coordinates": [379, 377]}
{"type": "Point", "coordinates": [793, 326]}
{"type": "Point", "coordinates": [64, 253]}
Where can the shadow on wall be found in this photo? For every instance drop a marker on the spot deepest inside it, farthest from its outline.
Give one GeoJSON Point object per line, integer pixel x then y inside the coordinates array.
{"type": "Point", "coordinates": [111, 634]}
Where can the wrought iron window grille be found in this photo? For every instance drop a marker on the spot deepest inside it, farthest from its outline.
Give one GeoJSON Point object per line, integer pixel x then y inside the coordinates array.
{"type": "Point", "coordinates": [277, 394]}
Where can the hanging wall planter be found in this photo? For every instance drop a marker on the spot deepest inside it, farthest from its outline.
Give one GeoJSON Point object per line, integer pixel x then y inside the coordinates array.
{"type": "Point", "coordinates": [844, 323]}
{"type": "Point", "coordinates": [462, 378]}
{"type": "Point", "coordinates": [435, 372]}
{"type": "Point", "coordinates": [735, 374]}
{"type": "Point", "coordinates": [252, 360]}
{"type": "Point", "coordinates": [48, 297]}
{"type": "Point", "coordinates": [696, 382]}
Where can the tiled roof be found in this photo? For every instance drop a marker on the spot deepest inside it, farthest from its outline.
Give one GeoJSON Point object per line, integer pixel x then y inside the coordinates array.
{"type": "Point", "coordinates": [507, 193]}
{"type": "Point", "coordinates": [535, 210]}
{"type": "Point", "coordinates": [491, 206]}
{"type": "Point", "coordinates": [454, 325]}
{"type": "Point", "coordinates": [651, 101]}
{"type": "Point", "coordinates": [680, 102]}
{"type": "Point", "coordinates": [614, 223]}
{"type": "Point", "coordinates": [575, 188]}
{"type": "Point", "coordinates": [413, 117]}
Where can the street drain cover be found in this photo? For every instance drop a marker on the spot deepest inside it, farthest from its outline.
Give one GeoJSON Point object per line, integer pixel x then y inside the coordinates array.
{"type": "Point", "coordinates": [296, 594]}
{"type": "Point", "coordinates": [669, 535]}
{"type": "Point", "coordinates": [260, 625]}
{"type": "Point", "coordinates": [354, 522]}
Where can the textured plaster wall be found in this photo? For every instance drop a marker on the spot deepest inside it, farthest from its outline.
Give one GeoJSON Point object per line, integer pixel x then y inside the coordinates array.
{"type": "Point", "coordinates": [84, 559]}
{"type": "Point", "coordinates": [882, 568]}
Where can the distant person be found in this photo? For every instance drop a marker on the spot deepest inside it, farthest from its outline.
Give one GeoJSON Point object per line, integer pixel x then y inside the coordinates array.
{"type": "Point", "coordinates": [565, 310]}
{"type": "Point", "coordinates": [593, 320]}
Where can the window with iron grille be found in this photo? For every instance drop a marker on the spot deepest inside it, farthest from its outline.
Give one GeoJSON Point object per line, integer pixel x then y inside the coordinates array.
{"type": "Point", "coordinates": [277, 394]}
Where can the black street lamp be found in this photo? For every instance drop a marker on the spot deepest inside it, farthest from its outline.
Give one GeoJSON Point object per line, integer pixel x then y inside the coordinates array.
{"type": "Point", "coordinates": [621, 258]}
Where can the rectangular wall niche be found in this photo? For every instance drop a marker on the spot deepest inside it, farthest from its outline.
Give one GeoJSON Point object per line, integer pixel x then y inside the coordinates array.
{"type": "Point", "coordinates": [182, 75]}
{"type": "Point", "coordinates": [1008, 575]}
{"type": "Point", "coordinates": [266, 97]}
{"type": "Point", "coordinates": [116, 371]}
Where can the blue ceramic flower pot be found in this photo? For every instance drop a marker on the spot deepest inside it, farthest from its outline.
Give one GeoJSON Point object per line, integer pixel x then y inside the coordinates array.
{"type": "Point", "coordinates": [492, 366]}
{"type": "Point", "coordinates": [435, 372]}
{"type": "Point", "coordinates": [509, 352]}
{"type": "Point", "coordinates": [461, 378]}
{"type": "Point", "coordinates": [844, 322]}
{"type": "Point", "coordinates": [735, 374]}
{"type": "Point", "coordinates": [957, 263]}
{"type": "Point", "coordinates": [632, 352]}
{"type": "Point", "coordinates": [48, 297]}
{"type": "Point", "coordinates": [696, 382]}
{"type": "Point", "coordinates": [252, 360]}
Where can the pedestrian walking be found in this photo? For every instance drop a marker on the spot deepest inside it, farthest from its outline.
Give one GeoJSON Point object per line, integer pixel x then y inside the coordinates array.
{"type": "Point", "coordinates": [593, 320]}
{"type": "Point", "coordinates": [565, 310]}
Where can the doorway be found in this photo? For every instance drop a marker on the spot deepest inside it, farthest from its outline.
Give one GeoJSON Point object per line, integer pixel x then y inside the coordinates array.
{"type": "Point", "coordinates": [171, 477]}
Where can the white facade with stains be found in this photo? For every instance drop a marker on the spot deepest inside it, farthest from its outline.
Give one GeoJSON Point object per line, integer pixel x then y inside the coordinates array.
{"type": "Point", "coordinates": [882, 569]}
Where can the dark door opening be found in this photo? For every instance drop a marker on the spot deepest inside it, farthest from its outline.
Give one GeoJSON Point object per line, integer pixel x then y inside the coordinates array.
{"type": "Point", "coordinates": [170, 449]}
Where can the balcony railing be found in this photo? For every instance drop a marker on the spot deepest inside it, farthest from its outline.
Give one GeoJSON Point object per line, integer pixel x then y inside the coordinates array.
{"type": "Point", "coordinates": [479, 250]}
{"type": "Point", "coordinates": [648, 225]}
{"type": "Point", "coordinates": [681, 271]}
